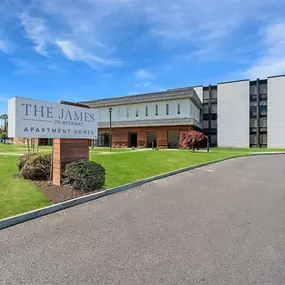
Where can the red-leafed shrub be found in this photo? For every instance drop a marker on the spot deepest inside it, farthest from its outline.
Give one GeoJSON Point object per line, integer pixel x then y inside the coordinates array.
{"type": "Point", "coordinates": [193, 140]}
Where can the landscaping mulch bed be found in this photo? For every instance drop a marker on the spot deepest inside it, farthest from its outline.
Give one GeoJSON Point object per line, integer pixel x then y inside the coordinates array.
{"type": "Point", "coordinates": [57, 194]}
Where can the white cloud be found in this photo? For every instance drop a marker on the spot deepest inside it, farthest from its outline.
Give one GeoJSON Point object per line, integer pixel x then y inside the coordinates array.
{"type": "Point", "coordinates": [68, 49]}
{"type": "Point", "coordinates": [95, 31]}
{"type": "Point", "coordinates": [198, 21]}
{"type": "Point", "coordinates": [144, 74]}
{"type": "Point", "coordinates": [3, 46]}
{"type": "Point", "coordinates": [37, 30]}
{"type": "Point", "coordinates": [75, 53]}
{"type": "Point", "coordinates": [7, 46]}
{"type": "Point", "coordinates": [78, 43]}
{"type": "Point", "coordinates": [36, 67]}
{"type": "Point", "coordinates": [272, 60]}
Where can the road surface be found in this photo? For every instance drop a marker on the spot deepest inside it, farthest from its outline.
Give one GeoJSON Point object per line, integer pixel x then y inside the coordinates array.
{"type": "Point", "coordinates": [221, 224]}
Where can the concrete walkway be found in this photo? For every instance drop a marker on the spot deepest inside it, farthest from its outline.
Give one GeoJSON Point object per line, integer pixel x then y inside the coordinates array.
{"type": "Point", "coordinates": [221, 224]}
{"type": "Point", "coordinates": [118, 152]}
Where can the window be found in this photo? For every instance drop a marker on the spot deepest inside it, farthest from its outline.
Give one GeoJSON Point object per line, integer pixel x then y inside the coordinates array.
{"type": "Point", "coordinates": [263, 88]}
{"type": "Point", "coordinates": [214, 139]}
{"type": "Point", "coordinates": [253, 98]}
{"type": "Point", "coordinates": [253, 139]}
{"type": "Point", "coordinates": [214, 108]}
{"type": "Point", "coordinates": [253, 123]}
{"type": "Point", "coordinates": [206, 117]}
{"type": "Point", "coordinates": [214, 124]}
{"type": "Point", "coordinates": [118, 112]}
{"type": "Point", "coordinates": [156, 110]}
{"type": "Point", "coordinates": [167, 109]}
{"type": "Point", "coordinates": [137, 112]}
{"type": "Point", "coordinates": [253, 89]}
{"type": "Point", "coordinates": [178, 109]}
{"type": "Point", "coordinates": [263, 139]}
{"type": "Point", "coordinates": [214, 93]}
{"type": "Point", "coordinates": [253, 111]}
{"type": "Point", "coordinates": [206, 124]}
{"type": "Point", "coordinates": [263, 122]}
{"type": "Point", "coordinates": [263, 96]}
{"type": "Point", "coordinates": [253, 130]}
{"type": "Point", "coordinates": [206, 109]}
{"type": "Point", "coordinates": [128, 113]}
{"type": "Point", "coordinates": [214, 117]}
{"type": "Point", "coordinates": [206, 95]}
{"type": "Point", "coordinates": [146, 110]}
{"type": "Point", "coordinates": [263, 110]}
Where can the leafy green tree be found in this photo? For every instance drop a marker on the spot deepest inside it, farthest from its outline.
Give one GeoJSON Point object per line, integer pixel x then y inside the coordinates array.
{"type": "Point", "coordinates": [3, 135]}
{"type": "Point", "coordinates": [4, 117]}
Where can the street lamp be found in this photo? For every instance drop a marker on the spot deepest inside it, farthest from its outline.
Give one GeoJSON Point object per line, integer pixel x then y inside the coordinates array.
{"type": "Point", "coordinates": [110, 133]}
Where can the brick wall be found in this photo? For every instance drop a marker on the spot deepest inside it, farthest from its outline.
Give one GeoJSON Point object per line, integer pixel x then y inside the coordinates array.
{"type": "Point", "coordinates": [120, 136]}
{"type": "Point", "coordinates": [66, 151]}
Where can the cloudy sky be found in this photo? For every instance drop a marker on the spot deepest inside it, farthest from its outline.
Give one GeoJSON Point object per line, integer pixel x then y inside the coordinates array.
{"type": "Point", "coordinates": [87, 49]}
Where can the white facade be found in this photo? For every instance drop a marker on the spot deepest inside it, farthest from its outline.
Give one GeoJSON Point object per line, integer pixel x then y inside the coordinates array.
{"type": "Point", "coordinates": [171, 109]}
{"type": "Point", "coordinates": [233, 114]}
{"type": "Point", "coordinates": [275, 113]}
{"type": "Point", "coordinates": [199, 92]}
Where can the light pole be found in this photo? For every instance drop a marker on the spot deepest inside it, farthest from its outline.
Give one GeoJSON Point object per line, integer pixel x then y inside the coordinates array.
{"type": "Point", "coordinates": [110, 133]}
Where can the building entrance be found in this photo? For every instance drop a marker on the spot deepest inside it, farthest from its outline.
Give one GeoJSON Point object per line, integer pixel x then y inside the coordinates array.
{"type": "Point", "coordinates": [133, 140]}
{"type": "Point", "coordinates": [173, 139]}
{"type": "Point", "coordinates": [151, 139]}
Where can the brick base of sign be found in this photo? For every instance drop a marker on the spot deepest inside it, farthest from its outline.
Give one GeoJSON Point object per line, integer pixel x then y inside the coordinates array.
{"type": "Point", "coordinates": [66, 151]}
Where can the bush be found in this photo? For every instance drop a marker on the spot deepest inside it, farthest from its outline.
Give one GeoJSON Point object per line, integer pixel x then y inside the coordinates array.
{"type": "Point", "coordinates": [193, 140]}
{"type": "Point", "coordinates": [38, 167]}
{"type": "Point", "coordinates": [23, 159]}
{"type": "Point", "coordinates": [3, 135]}
{"type": "Point", "coordinates": [85, 175]}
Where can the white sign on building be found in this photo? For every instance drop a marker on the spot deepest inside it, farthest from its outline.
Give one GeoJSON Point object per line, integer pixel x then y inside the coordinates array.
{"type": "Point", "coordinates": [29, 118]}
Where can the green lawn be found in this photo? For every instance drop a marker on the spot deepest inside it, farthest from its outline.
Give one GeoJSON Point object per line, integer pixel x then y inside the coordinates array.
{"type": "Point", "coordinates": [106, 149]}
{"type": "Point", "coordinates": [23, 149]}
{"type": "Point", "coordinates": [20, 149]}
{"type": "Point", "coordinates": [18, 196]}
{"type": "Point", "coordinates": [128, 167]}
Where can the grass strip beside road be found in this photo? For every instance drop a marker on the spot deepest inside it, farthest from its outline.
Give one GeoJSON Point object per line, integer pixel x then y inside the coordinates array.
{"type": "Point", "coordinates": [130, 167]}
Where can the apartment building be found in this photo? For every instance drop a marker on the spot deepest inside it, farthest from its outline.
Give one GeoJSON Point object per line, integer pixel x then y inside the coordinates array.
{"type": "Point", "coordinates": [244, 113]}
{"type": "Point", "coordinates": [147, 120]}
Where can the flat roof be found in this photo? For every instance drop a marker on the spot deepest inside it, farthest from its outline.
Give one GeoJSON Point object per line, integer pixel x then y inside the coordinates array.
{"type": "Point", "coordinates": [173, 94]}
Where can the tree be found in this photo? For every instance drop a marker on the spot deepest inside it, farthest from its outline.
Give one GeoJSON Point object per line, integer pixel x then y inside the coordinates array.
{"type": "Point", "coordinates": [5, 118]}
{"type": "Point", "coordinates": [3, 134]}
{"type": "Point", "coordinates": [193, 140]}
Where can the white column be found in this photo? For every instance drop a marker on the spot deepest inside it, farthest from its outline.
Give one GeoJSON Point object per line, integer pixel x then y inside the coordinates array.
{"type": "Point", "coordinates": [233, 114]}
{"type": "Point", "coordinates": [276, 111]}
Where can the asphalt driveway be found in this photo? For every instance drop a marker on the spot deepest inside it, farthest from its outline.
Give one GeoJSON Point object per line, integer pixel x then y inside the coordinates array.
{"type": "Point", "coordinates": [221, 224]}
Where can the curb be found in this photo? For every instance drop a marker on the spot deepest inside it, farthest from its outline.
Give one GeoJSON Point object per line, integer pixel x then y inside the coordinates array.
{"type": "Point", "coordinates": [14, 220]}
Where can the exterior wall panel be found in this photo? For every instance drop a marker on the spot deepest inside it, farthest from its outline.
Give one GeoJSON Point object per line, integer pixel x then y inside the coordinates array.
{"type": "Point", "coordinates": [199, 92]}
{"type": "Point", "coordinates": [233, 114]}
{"type": "Point", "coordinates": [276, 108]}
